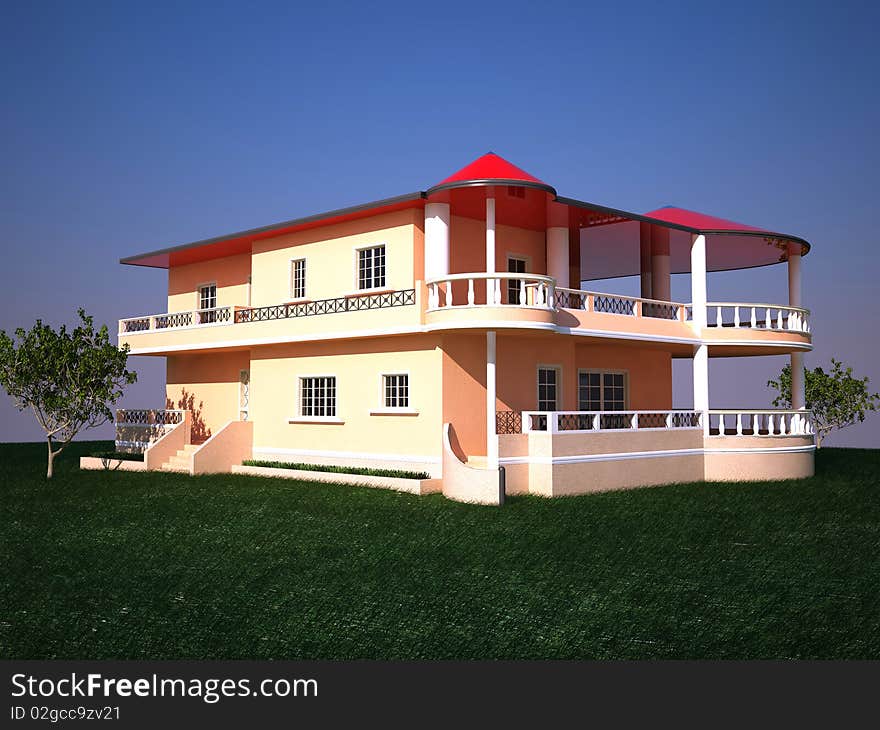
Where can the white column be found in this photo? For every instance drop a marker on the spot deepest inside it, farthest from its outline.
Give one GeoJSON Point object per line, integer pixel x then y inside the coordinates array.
{"type": "Point", "coordinates": [491, 437]}
{"type": "Point", "coordinates": [794, 275]}
{"type": "Point", "coordinates": [490, 235]}
{"type": "Point", "coordinates": [645, 260]}
{"type": "Point", "coordinates": [701, 383]}
{"type": "Point", "coordinates": [661, 281]}
{"type": "Point", "coordinates": [493, 286]}
{"type": "Point", "coordinates": [698, 281]}
{"type": "Point", "coordinates": [798, 386]}
{"type": "Point", "coordinates": [557, 255]}
{"type": "Point", "coordinates": [436, 240]}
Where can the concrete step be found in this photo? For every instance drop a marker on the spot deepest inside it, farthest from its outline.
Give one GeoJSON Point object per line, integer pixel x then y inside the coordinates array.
{"type": "Point", "coordinates": [181, 461]}
{"type": "Point", "coordinates": [168, 466]}
{"type": "Point", "coordinates": [190, 448]}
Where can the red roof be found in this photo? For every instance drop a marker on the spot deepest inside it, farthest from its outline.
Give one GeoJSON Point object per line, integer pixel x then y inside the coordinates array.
{"type": "Point", "coordinates": [491, 167]}
{"type": "Point", "coordinates": [699, 221]}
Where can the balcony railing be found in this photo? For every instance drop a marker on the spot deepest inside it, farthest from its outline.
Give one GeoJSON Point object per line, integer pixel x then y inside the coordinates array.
{"type": "Point", "coordinates": [493, 290]}
{"type": "Point", "coordinates": [760, 423]}
{"type": "Point", "coordinates": [757, 316]}
{"type": "Point", "coordinates": [568, 421]}
{"type": "Point", "coordinates": [138, 428]}
{"type": "Point", "coordinates": [713, 422]}
{"type": "Point", "coordinates": [238, 314]}
{"type": "Point", "coordinates": [590, 301]}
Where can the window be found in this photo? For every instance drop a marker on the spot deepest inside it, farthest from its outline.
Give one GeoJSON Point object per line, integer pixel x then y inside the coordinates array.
{"type": "Point", "coordinates": [298, 279]}
{"type": "Point", "coordinates": [601, 390]}
{"type": "Point", "coordinates": [371, 267]}
{"type": "Point", "coordinates": [208, 301]}
{"type": "Point", "coordinates": [317, 396]}
{"type": "Point", "coordinates": [515, 266]}
{"type": "Point", "coordinates": [396, 390]}
{"type": "Point", "coordinates": [548, 388]}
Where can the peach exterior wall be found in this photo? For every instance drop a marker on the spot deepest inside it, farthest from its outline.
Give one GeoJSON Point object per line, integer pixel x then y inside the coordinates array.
{"type": "Point", "coordinates": [467, 243]}
{"type": "Point", "coordinates": [230, 274]}
{"type": "Point", "coordinates": [212, 382]}
{"type": "Point", "coordinates": [231, 445]}
{"type": "Point", "coordinates": [708, 462]}
{"type": "Point", "coordinates": [518, 358]}
{"type": "Point", "coordinates": [465, 483]}
{"type": "Point", "coordinates": [756, 466]}
{"type": "Point", "coordinates": [330, 253]}
{"type": "Point", "coordinates": [173, 441]}
{"type": "Point", "coordinates": [358, 366]}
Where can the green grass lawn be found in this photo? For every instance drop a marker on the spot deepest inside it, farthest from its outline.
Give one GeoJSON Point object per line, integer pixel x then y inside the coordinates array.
{"type": "Point", "coordinates": [129, 565]}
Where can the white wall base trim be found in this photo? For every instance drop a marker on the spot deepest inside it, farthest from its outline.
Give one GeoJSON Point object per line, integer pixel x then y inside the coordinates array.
{"type": "Point", "coordinates": [410, 462]}
{"type": "Point", "coordinates": [347, 454]}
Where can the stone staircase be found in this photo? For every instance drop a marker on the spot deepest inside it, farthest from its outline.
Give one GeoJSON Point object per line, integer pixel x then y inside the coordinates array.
{"type": "Point", "coordinates": [182, 461]}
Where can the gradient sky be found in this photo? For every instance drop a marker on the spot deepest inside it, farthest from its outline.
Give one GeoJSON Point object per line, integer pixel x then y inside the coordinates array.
{"type": "Point", "coordinates": [128, 127]}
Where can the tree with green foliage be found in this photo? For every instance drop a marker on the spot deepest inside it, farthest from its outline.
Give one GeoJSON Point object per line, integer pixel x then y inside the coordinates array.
{"type": "Point", "coordinates": [69, 379]}
{"type": "Point", "coordinates": [837, 399]}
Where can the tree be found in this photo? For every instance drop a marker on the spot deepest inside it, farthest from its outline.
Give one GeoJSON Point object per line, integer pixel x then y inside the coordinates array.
{"type": "Point", "coordinates": [69, 379]}
{"type": "Point", "coordinates": [837, 399]}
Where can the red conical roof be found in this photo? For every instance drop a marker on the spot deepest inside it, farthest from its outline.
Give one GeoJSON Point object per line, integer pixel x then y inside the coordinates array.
{"type": "Point", "coordinates": [490, 169]}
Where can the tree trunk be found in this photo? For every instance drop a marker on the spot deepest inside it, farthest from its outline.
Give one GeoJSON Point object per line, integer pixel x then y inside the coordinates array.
{"type": "Point", "coordinates": [51, 460]}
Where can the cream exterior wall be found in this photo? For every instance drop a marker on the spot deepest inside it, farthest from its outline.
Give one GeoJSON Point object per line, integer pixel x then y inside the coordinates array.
{"type": "Point", "coordinates": [331, 260]}
{"type": "Point", "coordinates": [361, 437]}
{"type": "Point", "coordinates": [230, 274]}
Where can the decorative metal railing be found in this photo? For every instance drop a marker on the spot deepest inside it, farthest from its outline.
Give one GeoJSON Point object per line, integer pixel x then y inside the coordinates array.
{"type": "Point", "coordinates": [589, 301]}
{"type": "Point", "coordinates": [760, 423]}
{"type": "Point", "coordinates": [491, 289]}
{"type": "Point", "coordinates": [136, 429]}
{"type": "Point", "coordinates": [756, 316]}
{"type": "Point", "coordinates": [327, 306]}
{"type": "Point", "coordinates": [238, 315]}
{"type": "Point", "coordinates": [508, 422]}
{"type": "Point", "coordinates": [562, 421]}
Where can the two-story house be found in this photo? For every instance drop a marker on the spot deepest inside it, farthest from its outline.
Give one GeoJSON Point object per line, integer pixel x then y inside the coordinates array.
{"type": "Point", "coordinates": [447, 331]}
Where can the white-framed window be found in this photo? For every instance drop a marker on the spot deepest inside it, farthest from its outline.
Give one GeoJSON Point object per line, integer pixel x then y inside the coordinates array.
{"type": "Point", "coordinates": [548, 387]}
{"type": "Point", "coordinates": [317, 396]}
{"type": "Point", "coordinates": [395, 390]}
{"type": "Point", "coordinates": [515, 265]}
{"type": "Point", "coordinates": [602, 390]}
{"type": "Point", "coordinates": [298, 279]}
{"type": "Point", "coordinates": [371, 267]}
{"type": "Point", "coordinates": [208, 302]}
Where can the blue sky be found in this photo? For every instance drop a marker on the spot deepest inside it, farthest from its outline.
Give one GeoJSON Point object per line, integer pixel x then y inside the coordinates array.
{"type": "Point", "coordinates": [128, 127]}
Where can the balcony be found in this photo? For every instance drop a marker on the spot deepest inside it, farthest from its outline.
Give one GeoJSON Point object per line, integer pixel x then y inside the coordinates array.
{"type": "Point", "coordinates": [240, 326]}
{"type": "Point", "coordinates": [529, 300]}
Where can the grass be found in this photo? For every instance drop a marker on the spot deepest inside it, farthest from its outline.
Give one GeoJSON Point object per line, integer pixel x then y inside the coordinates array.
{"type": "Point", "coordinates": [143, 565]}
{"type": "Point", "coordinates": [332, 469]}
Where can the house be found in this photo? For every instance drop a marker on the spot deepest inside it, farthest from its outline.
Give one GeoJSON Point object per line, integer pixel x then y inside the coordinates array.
{"type": "Point", "coordinates": [447, 331]}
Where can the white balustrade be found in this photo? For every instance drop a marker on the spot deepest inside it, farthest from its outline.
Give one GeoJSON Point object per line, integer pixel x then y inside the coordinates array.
{"type": "Point", "coordinates": [720, 422]}
{"type": "Point", "coordinates": [522, 290]}
{"type": "Point", "coordinates": [760, 423]}
{"type": "Point", "coordinates": [757, 316]}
